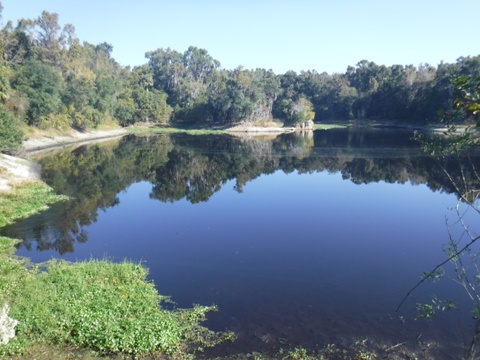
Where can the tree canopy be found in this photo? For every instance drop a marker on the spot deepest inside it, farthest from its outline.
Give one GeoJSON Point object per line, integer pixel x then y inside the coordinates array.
{"type": "Point", "coordinates": [50, 79]}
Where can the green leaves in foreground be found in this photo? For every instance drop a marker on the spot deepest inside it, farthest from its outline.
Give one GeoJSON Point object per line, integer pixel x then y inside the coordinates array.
{"type": "Point", "coordinates": [107, 307]}
{"type": "Point", "coordinates": [428, 310]}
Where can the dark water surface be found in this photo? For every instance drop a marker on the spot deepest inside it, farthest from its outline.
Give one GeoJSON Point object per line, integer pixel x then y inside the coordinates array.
{"type": "Point", "coordinates": [300, 240]}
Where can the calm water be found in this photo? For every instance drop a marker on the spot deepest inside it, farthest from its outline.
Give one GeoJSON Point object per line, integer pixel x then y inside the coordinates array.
{"type": "Point", "coordinates": [300, 240]}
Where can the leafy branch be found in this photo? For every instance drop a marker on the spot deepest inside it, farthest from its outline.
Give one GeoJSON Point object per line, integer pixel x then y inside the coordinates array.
{"type": "Point", "coordinates": [432, 273]}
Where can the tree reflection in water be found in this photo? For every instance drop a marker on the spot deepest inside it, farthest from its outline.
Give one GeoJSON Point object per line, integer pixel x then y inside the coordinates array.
{"type": "Point", "coordinates": [195, 167]}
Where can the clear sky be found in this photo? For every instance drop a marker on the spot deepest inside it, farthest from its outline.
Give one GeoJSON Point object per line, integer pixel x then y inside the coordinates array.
{"type": "Point", "coordinates": [324, 35]}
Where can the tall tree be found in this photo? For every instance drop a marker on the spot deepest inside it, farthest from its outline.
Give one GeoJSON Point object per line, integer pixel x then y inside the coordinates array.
{"type": "Point", "coordinates": [42, 85]}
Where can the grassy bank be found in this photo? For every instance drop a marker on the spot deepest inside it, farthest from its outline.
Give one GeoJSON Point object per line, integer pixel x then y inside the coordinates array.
{"type": "Point", "coordinates": [26, 200]}
{"type": "Point", "coordinates": [106, 307]}
{"type": "Point", "coordinates": [65, 308]}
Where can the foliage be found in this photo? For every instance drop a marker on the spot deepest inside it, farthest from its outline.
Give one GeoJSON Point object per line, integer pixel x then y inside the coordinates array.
{"type": "Point", "coordinates": [41, 84]}
{"type": "Point", "coordinates": [461, 121]}
{"type": "Point", "coordinates": [465, 110]}
{"type": "Point", "coordinates": [467, 101]}
{"type": "Point", "coordinates": [10, 135]}
{"type": "Point", "coordinates": [12, 272]}
{"type": "Point", "coordinates": [25, 200]}
{"type": "Point", "coordinates": [51, 79]}
{"type": "Point", "coordinates": [428, 310]}
{"type": "Point", "coordinates": [107, 307]}
{"type": "Point", "coordinates": [462, 249]}
{"type": "Point", "coordinates": [298, 111]}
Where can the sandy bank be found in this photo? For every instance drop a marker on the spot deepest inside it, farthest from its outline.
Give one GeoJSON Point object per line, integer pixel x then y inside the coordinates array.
{"type": "Point", "coordinates": [259, 130]}
{"type": "Point", "coordinates": [16, 170]}
{"type": "Point", "coordinates": [72, 137]}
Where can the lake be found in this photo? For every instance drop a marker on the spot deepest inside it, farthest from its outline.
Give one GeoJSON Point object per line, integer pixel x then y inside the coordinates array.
{"type": "Point", "coordinates": [301, 240]}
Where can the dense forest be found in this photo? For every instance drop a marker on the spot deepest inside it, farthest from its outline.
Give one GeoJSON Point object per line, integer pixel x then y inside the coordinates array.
{"type": "Point", "coordinates": [50, 79]}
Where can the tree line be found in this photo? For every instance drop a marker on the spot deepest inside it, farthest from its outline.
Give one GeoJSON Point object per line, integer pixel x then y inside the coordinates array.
{"type": "Point", "coordinates": [50, 79]}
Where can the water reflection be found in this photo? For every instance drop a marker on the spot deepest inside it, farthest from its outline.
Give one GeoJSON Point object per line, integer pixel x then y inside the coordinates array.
{"type": "Point", "coordinates": [196, 167]}
{"type": "Point", "coordinates": [300, 240]}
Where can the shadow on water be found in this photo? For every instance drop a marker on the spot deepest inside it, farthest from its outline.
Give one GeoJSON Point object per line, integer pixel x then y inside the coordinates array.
{"type": "Point", "coordinates": [301, 240]}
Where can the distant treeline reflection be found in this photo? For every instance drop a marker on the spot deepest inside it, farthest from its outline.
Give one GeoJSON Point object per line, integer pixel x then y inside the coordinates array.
{"type": "Point", "coordinates": [195, 167]}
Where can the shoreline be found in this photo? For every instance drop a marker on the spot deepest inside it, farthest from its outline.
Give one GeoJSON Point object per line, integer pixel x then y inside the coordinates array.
{"type": "Point", "coordinates": [259, 130]}
{"type": "Point", "coordinates": [17, 170]}
{"type": "Point", "coordinates": [35, 144]}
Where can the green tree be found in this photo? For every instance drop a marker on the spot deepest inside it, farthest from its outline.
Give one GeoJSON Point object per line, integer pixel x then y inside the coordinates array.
{"type": "Point", "coordinates": [125, 112]}
{"type": "Point", "coordinates": [10, 135]}
{"type": "Point", "coordinates": [199, 64]}
{"type": "Point", "coordinates": [231, 101]}
{"type": "Point", "coordinates": [42, 86]}
{"type": "Point", "coordinates": [168, 71]}
{"type": "Point", "coordinates": [465, 112]}
{"type": "Point", "coordinates": [151, 106]}
{"type": "Point", "coordinates": [298, 111]}
{"type": "Point", "coordinates": [467, 102]}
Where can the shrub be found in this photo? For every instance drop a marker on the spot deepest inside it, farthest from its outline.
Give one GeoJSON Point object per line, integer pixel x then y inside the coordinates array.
{"type": "Point", "coordinates": [10, 136]}
{"type": "Point", "coordinates": [110, 308]}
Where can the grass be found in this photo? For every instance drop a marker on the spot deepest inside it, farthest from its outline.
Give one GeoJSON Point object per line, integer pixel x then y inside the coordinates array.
{"type": "Point", "coordinates": [26, 200]}
{"type": "Point", "coordinates": [87, 309]}
{"type": "Point", "coordinates": [98, 305]}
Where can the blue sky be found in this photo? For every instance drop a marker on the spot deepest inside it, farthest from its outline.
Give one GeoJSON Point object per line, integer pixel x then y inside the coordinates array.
{"type": "Point", "coordinates": [324, 35]}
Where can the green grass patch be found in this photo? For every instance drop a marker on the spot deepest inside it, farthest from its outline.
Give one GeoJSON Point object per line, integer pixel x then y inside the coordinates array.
{"type": "Point", "coordinates": [328, 126]}
{"type": "Point", "coordinates": [99, 305]}
{"type": "Point", "coordinates": [172, 130]}
{"type": "Point", "coordinates": [26, 200]}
